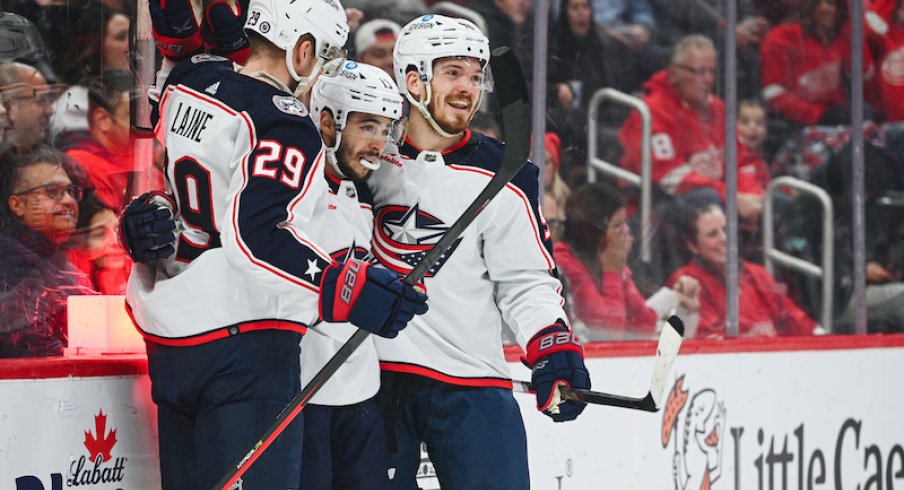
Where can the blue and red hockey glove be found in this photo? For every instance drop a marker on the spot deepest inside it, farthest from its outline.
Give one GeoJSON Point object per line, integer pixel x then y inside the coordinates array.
{"type": "Point", "coordinates": [556, 357]}
{"type": "Point", "coordinates": [369, 297]}
{"type": "Point", "coordinates": [223, 30]}
{"type": "Point", "coordinates": [176, 30]}
{"type": "Point", "coordinates": [147, 227]}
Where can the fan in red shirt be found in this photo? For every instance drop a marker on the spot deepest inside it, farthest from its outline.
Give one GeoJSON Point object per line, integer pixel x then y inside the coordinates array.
{"type": "Point", "coordinates": [803, 64]}
{"type": "Point", "coordinates": [688, 133]}
{"type": "Point", "coordinates": [765, 309]}
{"type": "Point", "coordinates": [593, 256]}
{"type": "Point", "coordinates": [884, 24]}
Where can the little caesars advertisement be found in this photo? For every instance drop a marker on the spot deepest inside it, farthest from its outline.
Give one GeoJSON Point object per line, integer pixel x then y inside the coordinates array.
{"type": "Point", "coordinates": [794, 420]}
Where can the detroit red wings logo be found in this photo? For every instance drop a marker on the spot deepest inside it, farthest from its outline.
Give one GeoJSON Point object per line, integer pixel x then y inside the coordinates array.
{"type": "Point", "coordinates": [403, 236]}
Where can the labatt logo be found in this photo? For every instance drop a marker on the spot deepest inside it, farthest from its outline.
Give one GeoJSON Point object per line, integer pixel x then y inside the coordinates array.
{"type": "Point", "coordinates": [99, 466]}
{"type": "Point", "coordinates": [99, 445]}
{"type": "Point", "coordinates": [697, 463]}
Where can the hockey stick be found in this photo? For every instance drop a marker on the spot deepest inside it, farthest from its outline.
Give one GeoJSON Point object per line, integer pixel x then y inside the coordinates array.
{"type": "Point", "coordinates": [669, 343]}
{"type": "Point", "coordinates": [512, 92]}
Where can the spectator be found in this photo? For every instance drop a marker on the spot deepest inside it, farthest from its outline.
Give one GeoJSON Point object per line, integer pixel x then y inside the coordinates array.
{"type": "Point", "coordinates": [28, 98]}
{"type": "Point", "coordinates": [584, 57]}
{"type": "Point", "coordinates": [554, 215]}
{"type": "Point", "coordinates": [753, 170]}
{"type": "Point", "coordinates": [593, 255]}
{"type": "Point", "coordinates": [688, 137]}
{"type": "Point", "coordinates": [678, 18]}
{"type": "Point", "coordinates": [398, 11]}
{"type": "Point", "coordinates": [484, 124]}
{"type": "Point", "coordinates": [688, 134]}
{"type": "Point", "coordinates": [884, 24]}
{"type": "Point", "coordinates": [374, 41]}
{"type": "Point", "coordinates": [553, 184]}
{"type": "Point", "coordinates": [105, 149]}
{"type": "Point", "coordinates": [38, 213]}
{"type": "Point", "coordinates": [510, 23]}
{"type": "Point", "coordinates": [96, 250]}
{"type": "Point", "coordinates": [631, 21]}
{"type": "Point", "coordinates": [765, 309]}
{"type": "Point", "coordinates": [804, 63]}
{"type": "Point", "coordinates": [21, 41]}
{"type": "Point", "coordinates": [103, 47]}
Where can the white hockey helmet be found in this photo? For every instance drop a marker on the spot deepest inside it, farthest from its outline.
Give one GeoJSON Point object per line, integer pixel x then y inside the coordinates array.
{"type": "Point", "coordinates": [357, 87]}
{"type": "Point", "coordinates": [283, 22]}
{"type": "Point", "coordinates": [429, 38]}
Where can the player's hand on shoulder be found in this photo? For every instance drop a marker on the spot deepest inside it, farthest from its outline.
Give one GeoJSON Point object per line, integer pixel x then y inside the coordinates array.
{"type": "Point", "coordinates": [147, 227]}
{"type": "Point", "coordinates": [176, 29]}
{"type": "Point", "coordinates": [556, 358]}
{"type": "Point", "coordinates": [369, 297]}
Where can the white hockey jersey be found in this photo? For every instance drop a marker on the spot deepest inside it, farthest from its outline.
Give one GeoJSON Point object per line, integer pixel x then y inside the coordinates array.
{"type": "Point", "coordinates": [501, 271]}
{"type": "Point", "coordinates": [245, 164]}
{"type": "Point", "coordinates": [344, 217]}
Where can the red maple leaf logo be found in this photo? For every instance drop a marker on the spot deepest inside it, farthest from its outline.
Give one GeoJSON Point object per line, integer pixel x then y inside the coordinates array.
{"type": "Point", "coordinates": [100, 445]}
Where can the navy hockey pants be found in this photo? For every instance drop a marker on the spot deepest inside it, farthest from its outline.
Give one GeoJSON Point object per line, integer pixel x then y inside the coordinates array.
{"type": "Point", "coordinates": [475, 436]}
{"type": "Point", "coordinates": [344, 447]}
{"type": "Point", "coordinates": [214, 400]}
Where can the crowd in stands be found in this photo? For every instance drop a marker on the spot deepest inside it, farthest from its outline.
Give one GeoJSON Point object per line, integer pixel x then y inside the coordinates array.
{"type": "Point", "coordinates": [68, 167]}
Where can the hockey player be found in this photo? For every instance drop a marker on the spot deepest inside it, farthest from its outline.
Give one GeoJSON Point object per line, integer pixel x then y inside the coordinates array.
{"type": "Point", "coordinates": [344, 436]}
{"type": "Point", "coordinates": [246, 166]}
{"type": "Point", "coordinates": [445, 380]}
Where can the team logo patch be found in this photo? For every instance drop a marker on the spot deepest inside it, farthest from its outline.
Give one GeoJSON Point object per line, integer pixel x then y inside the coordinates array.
{"type": "Point", "coordinates": [403, 236]}
{"type": "Point", "coordinates": [290, 105]}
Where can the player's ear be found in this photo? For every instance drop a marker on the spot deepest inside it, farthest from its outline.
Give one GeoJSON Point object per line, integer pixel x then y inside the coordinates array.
{"type": "Point", "coordinates": [414, 84]}
{"type": "Point", "coordinates": [326, 120]}
{"type": "Point", "coordinates": [327, 127]}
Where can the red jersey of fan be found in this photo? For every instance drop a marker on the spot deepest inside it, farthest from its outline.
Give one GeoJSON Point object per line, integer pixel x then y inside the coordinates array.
{"type": "Point", "coordinates": [765, 309]}
{"type": "Point", "coordinates": [802, 76]}
{"type": "Point", "coordinates": [886, 38]}
{"type": "Point", "coordinates": [687, 146]}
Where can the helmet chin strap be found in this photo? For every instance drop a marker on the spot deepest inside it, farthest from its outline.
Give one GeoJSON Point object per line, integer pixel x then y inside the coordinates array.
{"type": "Point", "coordinates": [422, 108]}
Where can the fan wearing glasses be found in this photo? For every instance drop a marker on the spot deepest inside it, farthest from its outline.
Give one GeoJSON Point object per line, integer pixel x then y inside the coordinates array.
{"type": "Point", "coordinates": [28, 101]}
{"type": "Point", "coordinates": [38, 215]}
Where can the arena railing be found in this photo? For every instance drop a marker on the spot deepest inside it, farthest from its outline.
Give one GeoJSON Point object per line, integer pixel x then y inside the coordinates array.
{"type": "Point", "coordinates": [823, 272]}
{"type": "Point", "coordinates": [597, 164]}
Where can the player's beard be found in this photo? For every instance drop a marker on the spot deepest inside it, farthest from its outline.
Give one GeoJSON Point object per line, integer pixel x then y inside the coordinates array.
{"type": "Point", "coordinates": [452, 124]}
{"type": "Point", "coordinates": [347, 161]}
